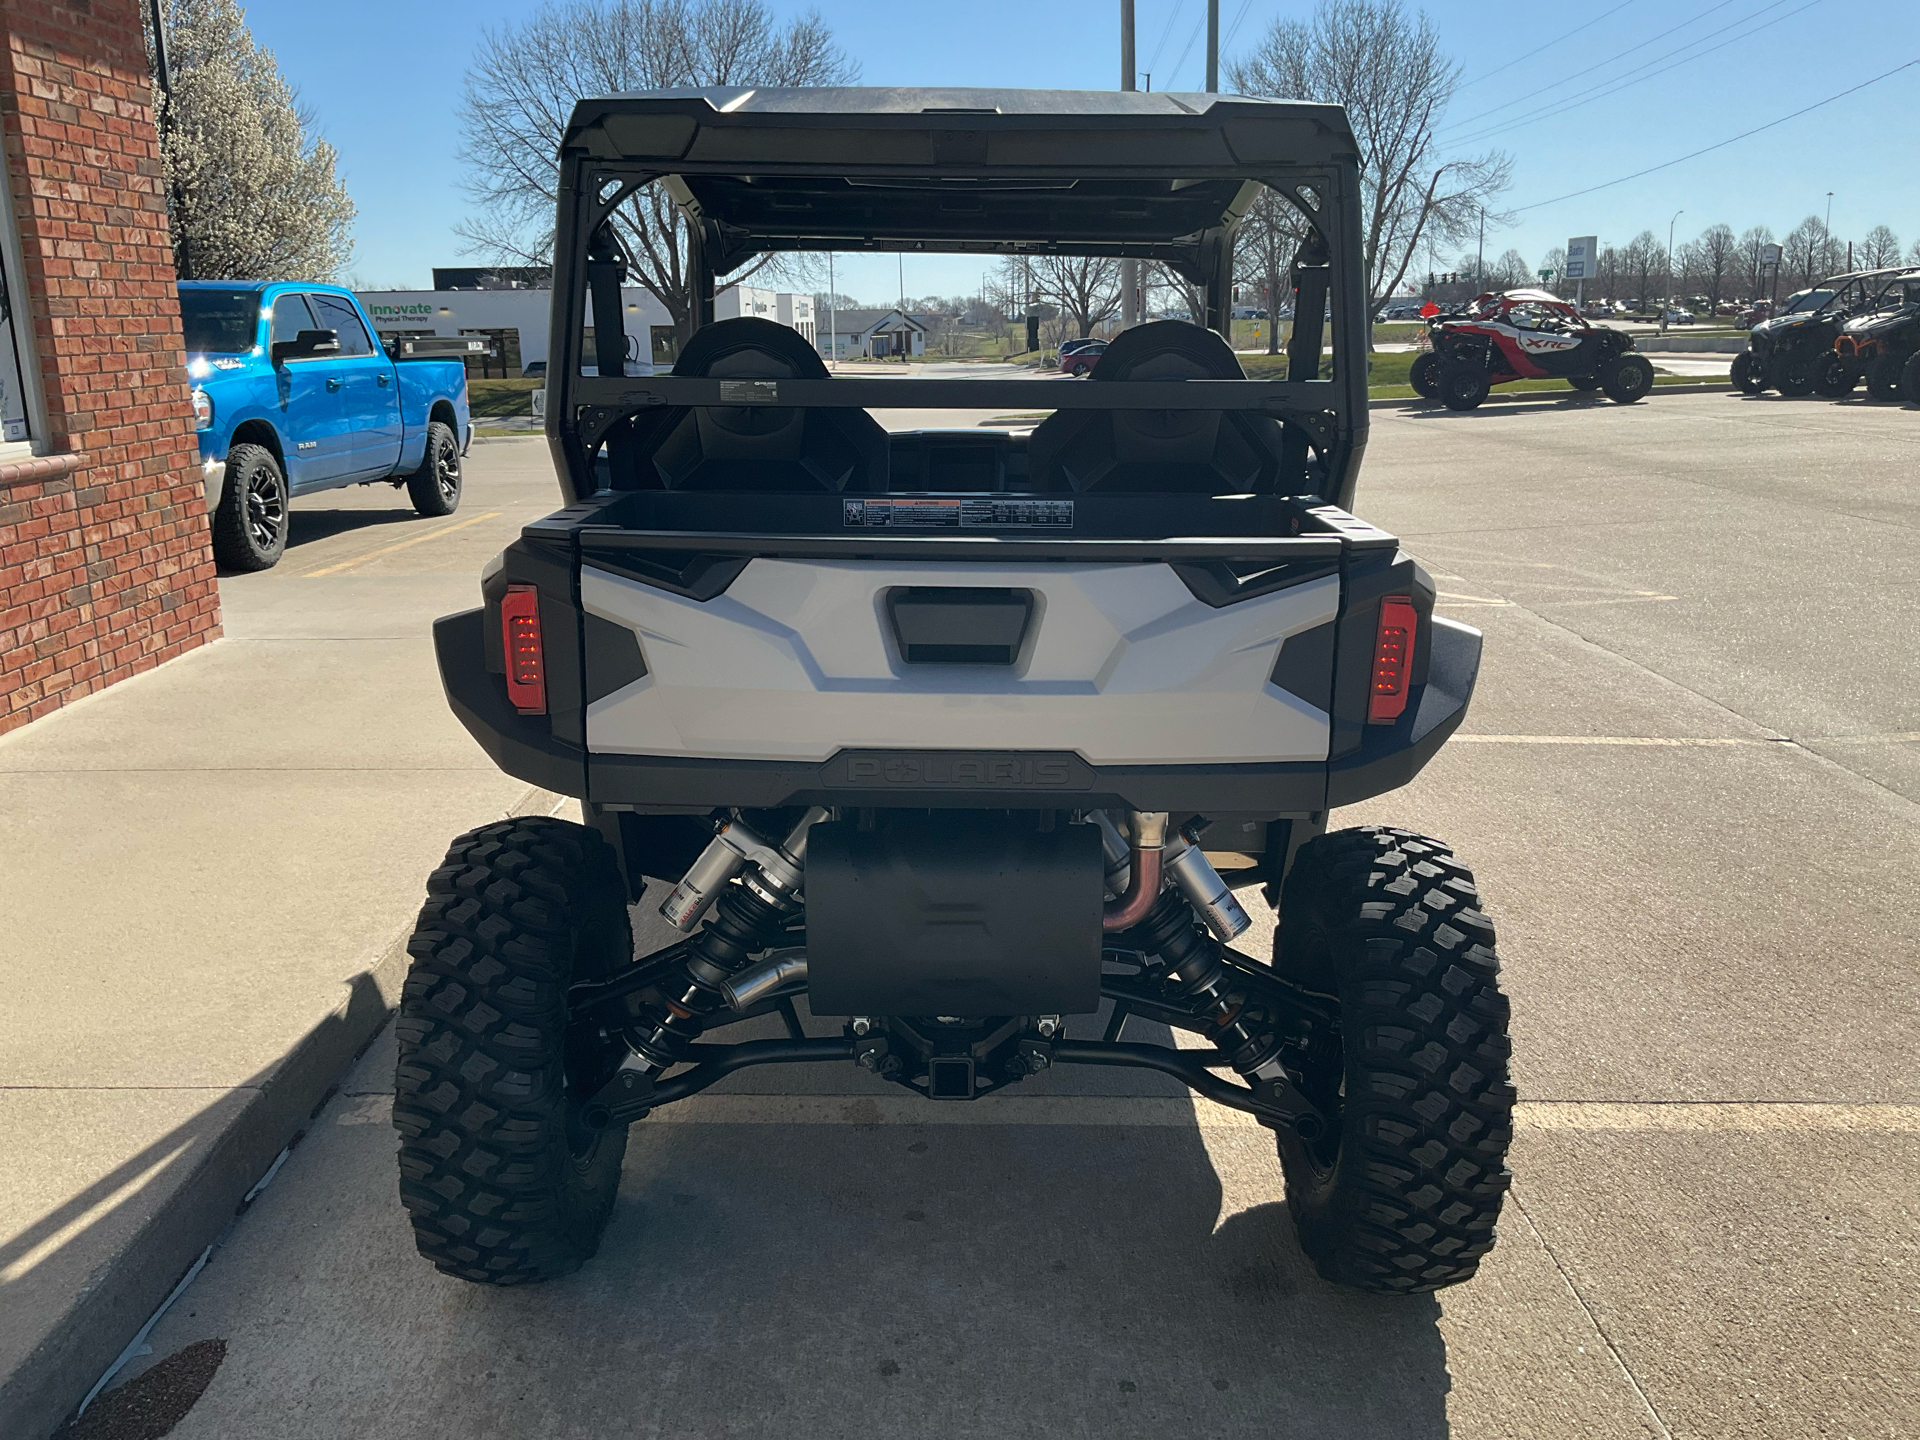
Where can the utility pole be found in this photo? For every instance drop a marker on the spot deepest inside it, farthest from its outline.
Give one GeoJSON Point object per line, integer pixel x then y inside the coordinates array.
{"type": "Point", "coordinates": [1480, 262]}
{"type": "Point", "coordinates": [1129, 269]}
{"type": "Point", "coordinates": [1670, 224]}
{"type": "Point", "coordinates": [833, 316]}
{"type": "Point", "coordinates": [1213, 47]}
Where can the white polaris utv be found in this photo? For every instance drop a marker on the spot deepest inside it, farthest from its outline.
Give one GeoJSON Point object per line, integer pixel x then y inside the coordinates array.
{"type": "Point", "coordinates": [959, 734]}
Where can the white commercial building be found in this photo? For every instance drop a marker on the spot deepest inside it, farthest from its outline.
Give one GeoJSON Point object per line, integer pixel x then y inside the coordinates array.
{"type": "Point", "coordinates": [518, 321]}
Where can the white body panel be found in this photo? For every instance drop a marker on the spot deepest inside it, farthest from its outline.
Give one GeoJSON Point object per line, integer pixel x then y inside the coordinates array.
{"type": "Point", "coordinates": [797, 661]}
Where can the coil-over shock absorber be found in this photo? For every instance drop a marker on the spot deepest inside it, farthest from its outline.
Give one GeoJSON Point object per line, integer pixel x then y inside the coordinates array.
{"type": "Point", "coordinates": [746, 918]}
{"type": "Point", "coordinates": [1183, 935]}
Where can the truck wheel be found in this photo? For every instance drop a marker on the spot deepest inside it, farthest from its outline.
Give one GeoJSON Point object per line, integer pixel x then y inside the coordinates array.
{"type": "Point", "coordinates": [503, 1179]}
{"type": "Point", "coordinates": [1463, 384]}
{"type": "Point", "coordinates": [1402, 1192]}
{"type": "Point", "coordinates": [1833, 377]}
{"type": "Point", "coordinates": [1792, 373]}
{"type": "Point", "coordinates": [1883, 380]}
{"type": "Point", "coordinates": [250, 523]}
{"type": "Point", "coordinates": [1626, 378]}
{"type": "Point", "coordinates": [435, 487]}
{"type": "Point", "coordinates": [1749, 373]}
{"type": "Point", "coordinates": [1424, 375]}
{"type": "Point", "coordinates": [1584, 382]}
{"type": "Point", "coordinates": [1910, 379]}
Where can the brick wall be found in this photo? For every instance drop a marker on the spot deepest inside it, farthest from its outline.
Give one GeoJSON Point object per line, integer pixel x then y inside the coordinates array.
{"type": "Point", "coordinates": [105, 569]}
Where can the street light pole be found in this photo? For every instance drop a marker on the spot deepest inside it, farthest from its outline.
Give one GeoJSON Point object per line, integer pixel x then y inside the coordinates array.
{"type": "Point", "coordinates": [1213, 47]}
{"type": "Point", "coordinates": [1670, 224]}
{"type": "Point", "coordinates": [1129, 269]}
{"type": "Point", "coordinates": [1826, 234]}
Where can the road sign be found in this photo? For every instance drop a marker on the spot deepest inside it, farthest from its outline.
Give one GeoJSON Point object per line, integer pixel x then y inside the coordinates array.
{"type": "Point", "coordinates": [1769, 254]}
{"type": "Point", "coordinates": [1583, 258]}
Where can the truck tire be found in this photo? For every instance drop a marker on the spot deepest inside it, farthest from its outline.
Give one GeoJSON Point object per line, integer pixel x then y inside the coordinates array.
{"type": "Point", "coordinates": [250, 523]}
{"type": "Point", "coordinates": [1463, 384]}
{"type": "Point", "coordinates": [1791, 373]}
{"type": "Point", "coordinates": [503, 1180]}
{"type": "Point", "coordinates": [1883, 379]}
{"type": "Point", "coordinates": [1626, 378]}
{"type": "Point", "coordinates": [1910, 379]}
{"type": "Point", "coordinates": [1749, 374]}
{"type": "Point", "coordinates": [1833, 377]}
{"type": "Point", "coordinates": [1424, 375]}
{"type": "Point", "coordinates": [1401, 1194]}
{"type": "Point", "coordinates": [435, 487]}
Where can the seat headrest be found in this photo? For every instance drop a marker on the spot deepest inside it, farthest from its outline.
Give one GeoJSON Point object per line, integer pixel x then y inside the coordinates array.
{"type": "Point", "coordinates": [750, 348]}
{"type": "Point", "coordinates": [1168, 350]}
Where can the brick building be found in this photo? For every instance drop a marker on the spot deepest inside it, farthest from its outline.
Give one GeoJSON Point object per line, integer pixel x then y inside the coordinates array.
{"type": "Point", "coordinates": [105, 569]}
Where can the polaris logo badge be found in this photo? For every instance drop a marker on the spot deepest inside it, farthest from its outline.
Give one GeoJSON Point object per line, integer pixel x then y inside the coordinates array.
{"type": "Point", "coordinates": [968, 770]}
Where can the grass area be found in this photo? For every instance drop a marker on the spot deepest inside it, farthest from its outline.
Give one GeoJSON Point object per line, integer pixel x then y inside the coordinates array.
{"type": "Point", "coordinates": [492, 398]}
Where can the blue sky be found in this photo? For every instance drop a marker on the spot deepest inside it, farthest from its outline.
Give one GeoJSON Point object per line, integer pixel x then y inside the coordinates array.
{"type": "Point", "coordinates": [383, 80]}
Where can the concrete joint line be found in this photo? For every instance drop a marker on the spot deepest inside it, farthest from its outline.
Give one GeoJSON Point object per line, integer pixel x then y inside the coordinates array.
{"type": "Point", "coordinates": [1593, 1319]}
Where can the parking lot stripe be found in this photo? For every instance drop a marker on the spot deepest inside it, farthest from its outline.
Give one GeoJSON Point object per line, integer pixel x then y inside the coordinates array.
{"type": "Point", "coordinates": [1677, 740]}
{"type": "Point", "coordinates": [401, 545]}
{"type": "Point", "coordinates": [1680, 1116]}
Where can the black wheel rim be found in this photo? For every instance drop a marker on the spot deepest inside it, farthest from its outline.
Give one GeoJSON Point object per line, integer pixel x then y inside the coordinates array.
{"type": "Point", "coordinates": [266, 509]}
{"type": "Point", "coordinates": [446, 471]}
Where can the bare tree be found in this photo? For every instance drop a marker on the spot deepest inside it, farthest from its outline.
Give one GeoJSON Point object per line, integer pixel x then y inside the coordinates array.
{"type": "Point", "coordinates": [1612, 267]}
{"type": "Point", "coordinates": [525, 78]}
{"type": "Point", "coordinates": [251, 195]}
{"type": "Point", "coordinates": [1754, 241]}
{"type": "Point", "coordinates": [1387, 69]}
{"type": "Point", "coordinates": [1880, 249]}
{"type": "Point", "coordinates": [1644, 255]}
{"type": "Point", "coordinates": [1268, 236]}
{"type": "Point", "coordinates": [1712, 260]}
{"type": "Point", "coordinates": [1805, 252]}
{"type": "Point", "coordinates": [1086, 287]}
{"type": "Point", "coordinates": [1556, 261]}
{"type": "Point", "coordinates": [1509, 272]}
{"type": "Point", "coordinates": [1913, 255]}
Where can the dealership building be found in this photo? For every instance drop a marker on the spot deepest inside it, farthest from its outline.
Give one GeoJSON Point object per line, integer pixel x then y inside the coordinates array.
{"type": "Point", "coordinates": [512, 308]}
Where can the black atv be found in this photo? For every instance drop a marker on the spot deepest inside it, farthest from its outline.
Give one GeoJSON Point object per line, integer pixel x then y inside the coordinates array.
{"type": "Point", "coordinates": [1787, 353]}
{"type": "Point", "coordinates": [1882, 345]}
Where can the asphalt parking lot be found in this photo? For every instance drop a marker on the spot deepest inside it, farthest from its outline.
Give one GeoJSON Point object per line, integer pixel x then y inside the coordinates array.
{"type": "Point", "coordinates": [1689, 786]}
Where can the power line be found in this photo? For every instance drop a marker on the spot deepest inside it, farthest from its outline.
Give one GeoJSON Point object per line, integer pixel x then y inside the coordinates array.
{"type": "Point", "coordinates": [1633, 78]}
{"type": "Point", "coordinates": [1548, 46]}
{"type": "Point", "coordinates": [1557, 84]}
{"type": "Point", "coordinates": [1166, 33]}
{"type": "Point", "coordinates": [1198, 26]}
{"type": "Point", "coordinates": [1745, 134]}
{"type": "Point", "coordinates": [1240, 17]}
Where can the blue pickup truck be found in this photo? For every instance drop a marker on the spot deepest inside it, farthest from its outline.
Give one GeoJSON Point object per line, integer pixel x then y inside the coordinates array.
{"type": "Point", "coordinates": [292, 394]}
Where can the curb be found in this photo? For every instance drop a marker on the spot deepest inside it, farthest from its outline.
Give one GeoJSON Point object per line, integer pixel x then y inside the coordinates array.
{"type": "Point", "coordinates": [126, 1289]}
{"type": "Point", "coordinates": [1409, 402]}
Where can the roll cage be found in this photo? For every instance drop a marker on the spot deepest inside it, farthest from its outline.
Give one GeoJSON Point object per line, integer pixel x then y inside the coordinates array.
{"type": "Point", "coordinates": [1162, 177]}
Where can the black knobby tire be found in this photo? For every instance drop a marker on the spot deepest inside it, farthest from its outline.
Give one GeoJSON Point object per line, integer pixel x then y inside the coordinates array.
{"type": "Point", "coordinates": [1463, 384]}
{"type": "Point", "coordinates": [503, 1180]}
{"type": "Point", "coordinates": [1402, 1194]}
{"type": "Point", "coordinates": [1584, 382]}
{"type": "Point", "coordinates": [1749, 373]}
{"type": "Point", "coordinates": [250, 522]}
{"type": "Point", "coordinates": [1627, 378]}
{"type": "Point", "coordinates": [435, 487]}
{"type": "Point", "coordinates": [1834, 377]}
{"type": "Point", "coordinates": [1910, 379]}
{"type": "Point", "coordinates": [1424, 375]}
{"type": "Point", "coordinates": [1883, 378]}
{"type": "Point", "coordinates": [1792, 373]}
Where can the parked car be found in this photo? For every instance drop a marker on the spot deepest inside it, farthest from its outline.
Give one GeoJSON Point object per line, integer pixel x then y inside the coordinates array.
{"type": "Point", "coordinates": [534, 370]}
{"type": "Point", "coordinates": [1677, 316]}
{"type": "Point", "coordinates": [1067, 347]}
{"type": "Point", "coordinates": [292, 395]}
{"type": "Point", "coordinates": [1082, 360]}
{"type": "Point", "coordinates": [1524, 335]}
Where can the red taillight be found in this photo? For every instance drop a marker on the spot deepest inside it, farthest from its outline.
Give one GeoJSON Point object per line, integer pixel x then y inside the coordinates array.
{"type": "Point", "coordinates": [1392, 660]}
{"type": "Point", "coordinates": [526, 661]}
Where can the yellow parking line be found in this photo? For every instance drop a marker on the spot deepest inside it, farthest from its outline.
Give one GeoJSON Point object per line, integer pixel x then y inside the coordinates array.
{"type": "Point", "coordinates": [401, 545]}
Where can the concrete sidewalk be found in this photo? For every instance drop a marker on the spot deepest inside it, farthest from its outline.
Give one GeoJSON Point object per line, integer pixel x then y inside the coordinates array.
{"type": "Point", "coordinates": [207, 874]}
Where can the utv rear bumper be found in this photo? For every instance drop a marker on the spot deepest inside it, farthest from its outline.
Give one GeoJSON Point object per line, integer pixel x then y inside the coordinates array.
{"type": "Point", "coordinates": [524, 746]}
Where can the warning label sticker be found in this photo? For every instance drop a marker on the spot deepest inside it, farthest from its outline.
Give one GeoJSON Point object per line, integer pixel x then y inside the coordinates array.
{"type": "Point", "coordinates": [982, 512]}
